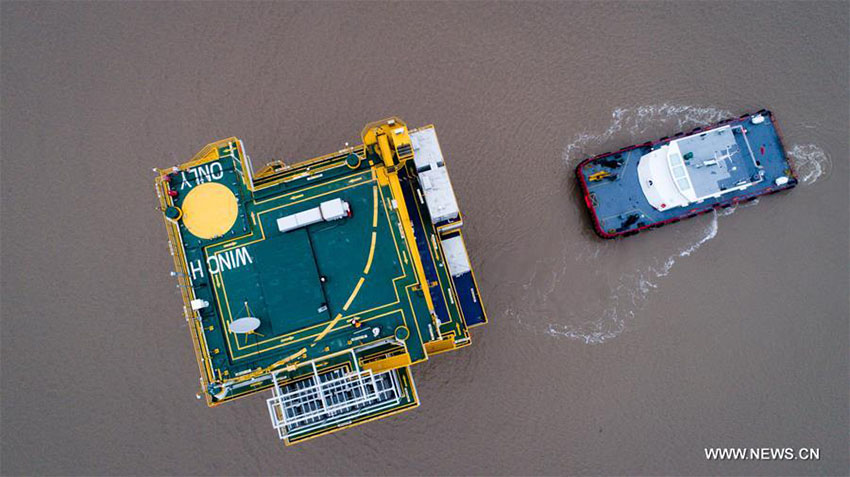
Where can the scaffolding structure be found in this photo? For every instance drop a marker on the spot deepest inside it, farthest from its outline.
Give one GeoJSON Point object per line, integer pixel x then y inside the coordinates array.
{"type": "Point", "coordinates": [336, 397]}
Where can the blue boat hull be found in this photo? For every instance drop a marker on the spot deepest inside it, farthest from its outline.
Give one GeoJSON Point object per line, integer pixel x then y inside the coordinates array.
{"type": "Point", "coordinates": [619, 208]}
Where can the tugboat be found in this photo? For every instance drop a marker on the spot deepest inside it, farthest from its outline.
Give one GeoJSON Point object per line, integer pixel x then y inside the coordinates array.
{"type": "Point", "coordinates": [653, 184]}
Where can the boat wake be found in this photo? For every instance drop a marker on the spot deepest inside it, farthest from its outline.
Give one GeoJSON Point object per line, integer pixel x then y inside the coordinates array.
{"type": "Point", "coordinates": [604, 316]}
{"type": "Point", "coordinates": [632, 290]}
{"type": "Point", "coordinates": [636, 123]}
{"type": "Point", "coordinates": [619, 277]}
{"type": "Point", "coordinates": [811, 163]}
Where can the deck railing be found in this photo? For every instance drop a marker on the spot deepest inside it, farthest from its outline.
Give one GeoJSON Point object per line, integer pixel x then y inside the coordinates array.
{"type": "Point", "coordinates": [184, 284]}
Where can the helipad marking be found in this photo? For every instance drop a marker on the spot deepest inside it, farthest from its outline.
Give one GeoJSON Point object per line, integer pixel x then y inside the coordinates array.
{"type": "Point", "coordinates": [228, 260]}
{"type": "Point", "coordinates": [201, 174]}
{"type": "Point", "coordinates": [210, 210]}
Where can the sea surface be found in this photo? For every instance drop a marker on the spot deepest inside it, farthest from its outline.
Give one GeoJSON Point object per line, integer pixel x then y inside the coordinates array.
{"type": "Point", "coordinates": [600, 358]}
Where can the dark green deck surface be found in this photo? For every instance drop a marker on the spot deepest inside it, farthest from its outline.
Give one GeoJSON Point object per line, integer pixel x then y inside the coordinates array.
{"type": "Point", "coordinates": [280, 283]}
{"type": "Point", "coordinates": [310, 287]}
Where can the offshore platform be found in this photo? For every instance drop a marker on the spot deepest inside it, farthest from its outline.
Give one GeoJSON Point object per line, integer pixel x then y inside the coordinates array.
{"type": "Point", "coordinates": [322, 281]}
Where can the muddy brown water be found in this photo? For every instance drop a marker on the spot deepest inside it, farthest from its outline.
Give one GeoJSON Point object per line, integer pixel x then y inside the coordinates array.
{"type": "Point", "coordinates": [624, 357]}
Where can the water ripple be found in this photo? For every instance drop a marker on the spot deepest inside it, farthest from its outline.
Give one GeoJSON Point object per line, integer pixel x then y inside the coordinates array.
{"type": "Point", "coordinates": [625, 289]}
{"type": "Point", "coordinates": [811, 163]}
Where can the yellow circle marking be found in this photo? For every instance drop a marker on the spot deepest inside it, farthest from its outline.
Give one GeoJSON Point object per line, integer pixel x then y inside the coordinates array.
{"type": "Point", "coordinates": [209, 210]}
{"type": "Point", "coordinates": [402, 332]}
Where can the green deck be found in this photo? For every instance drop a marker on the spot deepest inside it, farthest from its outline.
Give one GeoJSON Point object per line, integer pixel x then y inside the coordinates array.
{"type": "Point", "coordinates": [308, 286]}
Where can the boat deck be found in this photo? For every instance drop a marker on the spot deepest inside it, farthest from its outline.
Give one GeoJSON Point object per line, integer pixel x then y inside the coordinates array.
{"type": "Point", "coordinates": [617, 203]}
{"type": "Point", "coordinates": [721, 159]}
{"type": "Point", "coordinates": [341, 294]}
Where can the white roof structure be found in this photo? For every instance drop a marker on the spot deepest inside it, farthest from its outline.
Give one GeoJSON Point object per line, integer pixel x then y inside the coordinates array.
{"type": "Point", "coordinates": [456, 257]}
{"type": "Point", "coordinates": [426, 149]}
{"type": "Point", "coordinates": [439, 195]}
{"type": "Point", "coordinates": [697, 167]}
{"type": "Point", "coordinates": [433, 176]}
{"type": "Point", "coordinates": [665, 187]}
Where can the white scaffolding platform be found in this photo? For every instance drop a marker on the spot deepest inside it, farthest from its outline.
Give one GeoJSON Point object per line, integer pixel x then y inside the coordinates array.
{"type": "Point", "coordinates": [330, 398]}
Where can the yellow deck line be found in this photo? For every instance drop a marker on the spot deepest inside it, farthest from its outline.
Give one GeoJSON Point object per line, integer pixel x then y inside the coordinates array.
{"type": "Point", "coordinates": [291, 342]}
{"type": "Point", "coordinates": [288, 340]}
{"type": "Point", "coordinates": [308, 188]}
{"type": "Point", "coordinates": [333, 323]}
{"type": "Point", "coordinates": [328, 328]}
{"type": "Point", "coordinates": [219, 282]}
{"type": "Point", "coordinates": [301, 169]}
{"type": "Point", "coordinates": [262, 232]}
{"type": "Point", "coordinates": [221, 285]}
{"type": "Point", "coordinates": [371, 254]}
{"type": "Point", "coordinates": [283, 338]}
{"type": "Point", "coordinates": [290, 358]}
{"type": "Point", "coordinates": [375, 209]}
{"type": "Point", "coordinates": [353, 293]}
{"type": "Point", "coordinates": [261, 371]}
{"type": "Point", "coordinates": [235, 146]}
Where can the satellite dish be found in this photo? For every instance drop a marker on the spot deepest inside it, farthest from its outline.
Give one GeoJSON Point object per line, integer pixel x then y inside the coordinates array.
{"type": "Point", "coordinates": [244, 325]}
